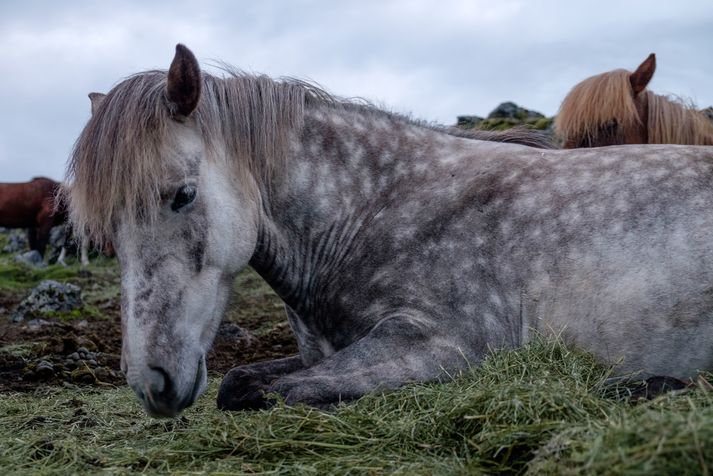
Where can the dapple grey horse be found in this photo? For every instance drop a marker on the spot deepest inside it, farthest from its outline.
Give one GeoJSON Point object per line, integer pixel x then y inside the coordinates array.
{"type": "Point", "coordinates": [402, 251]}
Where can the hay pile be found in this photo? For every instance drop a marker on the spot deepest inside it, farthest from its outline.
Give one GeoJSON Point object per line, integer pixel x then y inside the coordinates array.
{"type": "Point", "coordinates": [540, 409]}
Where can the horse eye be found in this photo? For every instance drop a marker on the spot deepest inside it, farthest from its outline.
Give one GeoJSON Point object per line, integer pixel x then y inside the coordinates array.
{"type": "Point", "coordinates": [184, 196]}
{"type": "Point", "coordinates": [611, 124]}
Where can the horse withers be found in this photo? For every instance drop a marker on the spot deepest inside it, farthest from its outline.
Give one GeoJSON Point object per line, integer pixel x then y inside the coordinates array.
{"type": "Point", "coordinates": [31, 205]}
{"type": "Point", "coordinates": [403, 252]}
{"type": "Point", "coordinates": [616, 108]}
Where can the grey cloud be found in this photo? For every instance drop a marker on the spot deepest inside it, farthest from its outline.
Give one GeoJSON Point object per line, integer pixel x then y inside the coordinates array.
{"type": "Point", "coordinates": [433, 59]}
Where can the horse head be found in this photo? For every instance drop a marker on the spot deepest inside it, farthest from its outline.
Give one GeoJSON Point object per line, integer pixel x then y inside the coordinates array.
{"type": "Point", "coordinates": [145, 179]}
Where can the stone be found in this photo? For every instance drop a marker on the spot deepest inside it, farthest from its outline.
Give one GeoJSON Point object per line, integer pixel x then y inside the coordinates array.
{"type": "Point", "coordinates": [468, 122]}
{"type": "Point", "coordinates": [44, 370]}
{"type": "Point", "coordinates": [31, 258]}
{"type": "Point", "coordinates": [510, 110]}
{"type": "Point", "coordinates": [17, 241]}
{"type": "Point", "coordinates": [47, 298]}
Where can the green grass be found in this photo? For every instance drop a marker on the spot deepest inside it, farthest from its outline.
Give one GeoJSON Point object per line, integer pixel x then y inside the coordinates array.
{"type": "Point", "coordinates": [541, 409]}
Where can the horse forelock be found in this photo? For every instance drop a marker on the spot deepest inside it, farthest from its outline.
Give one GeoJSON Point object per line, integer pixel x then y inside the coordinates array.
{"type": "Point", "coordinates": [116, 166]}
{"type": "Point", "coordinates": [674, 121]}
{"type": "Point", "coordinates": [593, 102]}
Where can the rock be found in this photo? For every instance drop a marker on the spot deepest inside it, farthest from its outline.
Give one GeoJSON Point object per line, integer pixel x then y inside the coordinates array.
{"type": "Point", "coordinates": [510, 110]}
{"type": "Point", "coordinates": [57, 240]}
{"type": "Point", "coordinates": [58, 236]}
{"type": "Point", "coordinates": [44, 370]}
{"type": "Point", "coordinates": [83, 375]}
{"type": "Point", "coordinates": [31, 258]}
{"type": "Point", "coordinates": [47, 298]}
{"type": "Point", "coordinates": [73, 356]}
{"type": "Point", "coordinates": [35, 324]}
{"type": "Point", "coordinates": [468, 122]}
{"type": "Point", "coordinates": [17, 241]}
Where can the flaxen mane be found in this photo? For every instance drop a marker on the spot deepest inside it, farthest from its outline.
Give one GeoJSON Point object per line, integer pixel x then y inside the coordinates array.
{"type": "Point", "coordinates": [594, 102]}
{"type": "Point", "coordinates": [674, 122]}
{"type": "Point", "coordinates": [113, 166]}
{"type": "Point", "coordinates": [608, 96]}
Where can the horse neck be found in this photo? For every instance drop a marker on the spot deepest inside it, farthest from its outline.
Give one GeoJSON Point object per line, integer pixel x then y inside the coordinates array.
{"type": "Point", "coordinates": [340, 173]}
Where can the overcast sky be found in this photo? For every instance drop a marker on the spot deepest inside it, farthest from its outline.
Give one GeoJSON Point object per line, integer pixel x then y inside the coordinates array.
{"type": "Point", "coordinates": [433, 59]}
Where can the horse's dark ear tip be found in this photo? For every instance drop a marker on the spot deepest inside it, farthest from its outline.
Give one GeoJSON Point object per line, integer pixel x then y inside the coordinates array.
{"type": "Point", "coordinates": [182, 50]}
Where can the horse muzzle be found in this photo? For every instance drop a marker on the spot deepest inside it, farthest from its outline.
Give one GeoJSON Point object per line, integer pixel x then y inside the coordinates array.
{"type": "Point", "coordinates": [162, 394]}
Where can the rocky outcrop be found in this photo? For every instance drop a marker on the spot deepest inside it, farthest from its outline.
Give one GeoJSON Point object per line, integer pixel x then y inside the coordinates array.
{"type": "Point", "coordinates": [49, 298]}
{"type": "Point", "coordinates": [510, 110]}
{"type": "Point", "coordinates": [505, 116]}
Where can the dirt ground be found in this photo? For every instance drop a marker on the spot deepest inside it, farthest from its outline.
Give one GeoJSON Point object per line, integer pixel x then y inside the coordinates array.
{"type": "Point", "coordinates": [86, 349]}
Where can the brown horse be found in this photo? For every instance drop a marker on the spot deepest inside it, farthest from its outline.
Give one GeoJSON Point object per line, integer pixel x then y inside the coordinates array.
{"type": "Point", "coordinates": [616, 108]}
{"type": "Point", "coordinates": [31, 205]}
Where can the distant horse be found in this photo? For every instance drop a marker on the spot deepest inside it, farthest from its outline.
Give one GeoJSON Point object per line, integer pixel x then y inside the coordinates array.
{"type": "Point", "coordinates": [403, 252]}
{"type": "Point", "coordinates": [31, 205]}
{"type": "Point", "coordinates": [616, 108]}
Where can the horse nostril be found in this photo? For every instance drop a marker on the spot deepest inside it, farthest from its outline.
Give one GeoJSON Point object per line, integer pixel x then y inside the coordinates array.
{"type": "Point", "coordinates": [159, 381]}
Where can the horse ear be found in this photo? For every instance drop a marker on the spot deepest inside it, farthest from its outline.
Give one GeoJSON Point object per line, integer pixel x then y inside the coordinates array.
{"type": "Point", "coordinates": [643, 74]}
{"type": "Point", "coordinates": [183, 87]}
{"type": "Point", "coordinates": [96, 99]}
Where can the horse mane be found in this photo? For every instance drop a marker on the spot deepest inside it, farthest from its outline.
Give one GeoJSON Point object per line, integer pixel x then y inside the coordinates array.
{"type": "Point", "coordinates": [113, 164]}
{"type": "Point", "coordinates": [672, 121]}
{"type": "Point", "coordinates": [595, 101]}
{"type": "Point", "coordinates": [608, 96]}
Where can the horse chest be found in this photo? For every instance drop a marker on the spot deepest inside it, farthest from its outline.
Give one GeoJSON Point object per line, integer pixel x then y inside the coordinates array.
{"type": "Point", "coordinates": [313, 345]}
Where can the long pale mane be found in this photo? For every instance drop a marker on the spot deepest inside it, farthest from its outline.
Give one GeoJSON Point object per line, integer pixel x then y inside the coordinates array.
{"type": "Point", "coordinates": [672, 121]}
{"type": "Point", "coordinates": [114, 165]}
{"type": "Point", "coordinates": [595, 101]}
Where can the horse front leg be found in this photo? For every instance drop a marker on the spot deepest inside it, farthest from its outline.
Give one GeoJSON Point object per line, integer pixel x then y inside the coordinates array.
{"type": "Point", "coordinates": [62, 255]}
{"type": "Point", "coordinates": [243, 388]}
{"type": "Point", "coordinates": [85, 253]}
{"type": "Point", "coordinates": [397, 351]}
{"type": "Point", "coordinates": [32, 238]}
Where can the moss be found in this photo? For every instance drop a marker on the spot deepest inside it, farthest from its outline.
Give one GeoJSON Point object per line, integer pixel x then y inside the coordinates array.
{"type": "Point", "coordinates": [19, 350]}
{"type": "Point", "coordinates": [498, 124]}
{"type": "Point", "coordinates": [542, 123]}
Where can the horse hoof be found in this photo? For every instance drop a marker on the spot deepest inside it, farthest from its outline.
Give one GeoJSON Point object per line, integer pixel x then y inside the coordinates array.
{"type": "Point", "coordinates": [655, 386]}
{"type": "Point", "coordinates": [243, 390]}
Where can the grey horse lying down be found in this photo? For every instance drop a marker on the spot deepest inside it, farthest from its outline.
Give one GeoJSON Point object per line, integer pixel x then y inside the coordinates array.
{"type": "Point", "coordinates": [403, 252]}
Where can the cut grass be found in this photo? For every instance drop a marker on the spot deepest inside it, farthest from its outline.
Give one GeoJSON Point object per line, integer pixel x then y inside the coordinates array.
{"type": "Point", "coordinates": [540, 409]}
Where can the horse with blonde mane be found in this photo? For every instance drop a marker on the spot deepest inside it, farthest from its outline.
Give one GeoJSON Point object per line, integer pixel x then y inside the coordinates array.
{"type": "Point", "coordinates": [403, 252]}
{"type": "Point", "coordinates": [616, 108]}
